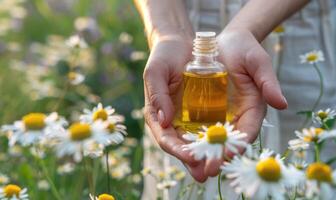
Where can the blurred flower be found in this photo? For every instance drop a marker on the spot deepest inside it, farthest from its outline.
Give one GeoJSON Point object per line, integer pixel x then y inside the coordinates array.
{"type": "Point", "coordinates": [137, 113]}
{"type": "Point", "coordinates": [3, 179]}
{"type": "Point", "coordinates": [322, 116]}
{"type": "Point", "coordinates": [76, 42]}
{"type": "Point", "coordinates": [166, 184]}
{"type": "Point", "coordinates": [125, 38]}
{"type": "Point", "coordinates": [102, 197]}
{"type": "Point", "coordinates": [136, 178]}
{"type": "Point", "coordinates": [33, 128]}
{"type": "Point", "coordinates": [210, 142]}
{"type": "Point", "coordinates": [312, 57]}
{"type": "Point", "coordinates": [78, 140]}
{"type": "Point", "coordinates": [119, 165]}
{"type": "Point", "coordinates": [146, 171]}
{"type": "Point", "coordinates": [66, 168]}
{"type": "Point", "coordinates": [38, 152]}
{"type": "Point", "coordinates": [138, 55]}
{"type": "Point", "coordinates": [15, 151]}
{"type": "Point", "coordinates": [279, 30]}
{"type": "Point", "coordinates": [131, 142]}
{"type": "Point", "coordinates": [266, 177]}
{"type": "Point", "coordinates": [13, 192]}
{"type": "Point", "coordinates": [320, 181]}
{"type": "Point", "coordinates": [75, 78]}
{"type": "Point", "coordinates": [87, 27]}
{"type": "Point", "coordinates": [101, 113]}
{"type": "Point", "coordinates": [43, 185]}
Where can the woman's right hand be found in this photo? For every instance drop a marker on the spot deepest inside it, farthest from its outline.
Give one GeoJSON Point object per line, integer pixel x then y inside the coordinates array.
{"type": "Point", "coordinates": [162, 78]}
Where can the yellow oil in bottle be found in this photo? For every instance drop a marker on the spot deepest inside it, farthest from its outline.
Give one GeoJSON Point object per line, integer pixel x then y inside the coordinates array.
{"type": "Point", "coordinates": [204, 100]}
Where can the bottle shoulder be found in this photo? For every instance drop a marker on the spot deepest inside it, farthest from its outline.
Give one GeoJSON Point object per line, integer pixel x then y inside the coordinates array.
{"type": "Point", "coordinates": [212, 67]}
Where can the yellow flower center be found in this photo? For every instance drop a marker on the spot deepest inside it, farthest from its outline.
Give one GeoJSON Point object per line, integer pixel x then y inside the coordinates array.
{"type": "Point", "coordinates": [100, 114]}
{"type": "Point", "coordinates": [320, 172]}
{"type": "Point", "coordinates": [312, 57]}
{"type": "Point", "coordinates": [269, 169]}
{"type": "Point", "coordinates": [216, 134]}
{"type": "Point", "coordinates": [322, 115]}
{"type": "Point", "coordinates": [34, 121]}
{"type": "Point", "coordinates": [12, 190]}
{"type": "Point", "coordinates": [80, 131]}
{"type": "Point", "coordinates": [279, 29]}
{"type": "Point", "coordinates": [72, 76]}
{"type": "Point", "coordinates": [314, 135]}
{"type": "Point", "coordinates": [111, 127]}
{"type": "Point", "coordinates": [105, 197]}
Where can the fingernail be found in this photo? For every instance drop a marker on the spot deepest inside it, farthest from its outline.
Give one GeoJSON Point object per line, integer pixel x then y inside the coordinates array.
{"type": "Point", "coordinates": [161, 116]}
{"type": "Point", "coordinates": [285, 100]}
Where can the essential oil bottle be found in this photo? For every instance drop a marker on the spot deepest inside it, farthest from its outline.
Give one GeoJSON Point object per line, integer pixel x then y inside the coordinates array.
{"type": "Point", "coordinates": [204, 97]}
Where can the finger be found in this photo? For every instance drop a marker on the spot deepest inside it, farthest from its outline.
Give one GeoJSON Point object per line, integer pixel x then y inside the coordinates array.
{"type": "Point", "coordinates": [168, 139]}
{"type": "Point", "coordinates": [156, 84]}
{"type": "Point", "coordinates": [212, 167]}
{"type": "Point", "coordinates": [197, 172]}
{"type": "Point", "coordinates": [259, 67]}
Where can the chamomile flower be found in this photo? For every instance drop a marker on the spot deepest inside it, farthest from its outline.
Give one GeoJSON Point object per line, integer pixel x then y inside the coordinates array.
{"type": "Point", "coordinates": [79, 140]}
{"type": "Point", "coordinates": [76, 41]}
{"type": "Point", "coordinates": [101, 113]}
{"type": "Point", "coordinates": [102, 197]}
{"type": "Point", "coordinates": [33, 128]}
{"type": "Point", "coordinates": [262, 178]}
{"type": "Point", "coordinates": [13, 192]}
{"type": "Point", "coordinates": [113, 134]}
{"type": "Point", "coordinates": [210, 141]}
{"type": "Point", "coordinates": [307, 136]}
{"type": "Point", "coordinates": [320, 181]}
{"type": "Point", "coordinates": [323, 116]}
{"type": "Point", "coordinates": [166, 184]}
{"type": "Point", "coordinates": [312, 57]}
{"type": "Point", "coordinates": [75, 78]}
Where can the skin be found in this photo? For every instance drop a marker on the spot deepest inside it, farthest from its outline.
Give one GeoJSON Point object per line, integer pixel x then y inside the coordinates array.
{"type": "Point", "coordinates": [250, 68]}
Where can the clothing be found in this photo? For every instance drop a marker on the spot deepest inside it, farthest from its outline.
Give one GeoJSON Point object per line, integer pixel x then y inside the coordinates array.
{"type": "Point", "coordinates": [314, 27]}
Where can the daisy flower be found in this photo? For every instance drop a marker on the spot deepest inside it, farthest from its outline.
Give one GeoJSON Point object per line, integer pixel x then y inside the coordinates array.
{"type": "Point", "coordinates": [79, 140]}
{"type": "Point", "coordinates": [307, 136]}
{"type": "Point", "coordinates": [322, 116]}
{"type": "Point", "coordinates": [210, 141]}
{"type": "Point", "coordinates": [33, 128]}
{"type": "Point", "coordinates": [13, 192]}
{"type": "Point", "coordinates": [166, 184]}
{"type": "Point", "coordinates": [312, 57]}
{"type": "Point", "coordinates": [102, 197]}
{"type": "Point", "coordinates": [320, 181]}
{"type": "Point", "coordinates": [113, 134]}
{"type": "Point", "coordinates": [76, 41]}
{"type": "Point", "coordinates": [101, 113]}
{"type": "Point", "coordinates": [263, 178]}
{"type": "Point", "coordinates": [75, 78]}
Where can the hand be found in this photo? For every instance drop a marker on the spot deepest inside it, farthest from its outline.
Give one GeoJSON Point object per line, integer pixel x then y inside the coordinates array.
{"type": "Point", "coordinates": [162, 78]}
{"type": "Point", "coordinates": [255, 84]}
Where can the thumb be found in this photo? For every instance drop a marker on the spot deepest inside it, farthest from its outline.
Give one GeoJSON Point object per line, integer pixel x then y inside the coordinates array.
{"type": "Point", "coordinates": [259, 67]}
{"type": "Point", "coordinates": [156, 79]}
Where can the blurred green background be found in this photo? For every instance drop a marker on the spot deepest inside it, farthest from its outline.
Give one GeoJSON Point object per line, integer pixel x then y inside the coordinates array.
{"type": "Point", "coordinates": [34, 66]}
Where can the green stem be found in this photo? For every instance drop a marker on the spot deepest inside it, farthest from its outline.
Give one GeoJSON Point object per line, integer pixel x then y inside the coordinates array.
{"type": "Point", "coordinates": [191, 190]}
{"type": "Point", "coordinates": [107, 171]}
{"type": "Point", "coordinates": [50, 181]}
{"type": "Point", "coordinates": [89, 177]}
{"type": "Point", "coordinates": [219, 185]}
{"type": "Point", "coordinates": [320, 94]}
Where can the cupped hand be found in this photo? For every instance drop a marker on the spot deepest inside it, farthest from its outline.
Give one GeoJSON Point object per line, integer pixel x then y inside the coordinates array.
{"type": "Point", "coordinates": [162, 78]}
{"type": "Point", "coordinates": [255, 84]}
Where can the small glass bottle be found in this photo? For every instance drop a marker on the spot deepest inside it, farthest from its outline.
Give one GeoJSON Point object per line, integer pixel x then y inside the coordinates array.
{"type": "Point", "coordinates": [204, 98]}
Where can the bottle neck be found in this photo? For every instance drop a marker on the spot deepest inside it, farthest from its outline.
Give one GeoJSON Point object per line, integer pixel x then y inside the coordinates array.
{"type": "Point", "coordinates": [205, 48]}
{"type": "Point", "coordinates": [204, 59]}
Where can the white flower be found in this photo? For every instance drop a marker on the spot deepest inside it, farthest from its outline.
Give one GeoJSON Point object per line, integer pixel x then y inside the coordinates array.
{"type": "Point", "coordinates": [102, 197]}
{"type": "Point", "coordinates": [125, 38]}
{"type": "Point", "coordinates": [138, 55]}
{"type": "Point", "coordinates": [43, 185]}
{"type": "Point", "coordinates": [13, 192]}
{"type": "Point", "coordinates": [66, 168]}
{"type": "Point", "coordinates": [320, 181]}
{"type": "Point", "coordinates": [3, 179]}
{"type": "Point", "coordinates": [307, 136]}
{"type": "Point", "coordinates": [312, 57]}
{"type": "Point", "coordinates": [262, 178]}
{"type": "Point", "coordinates": [75, 78]}
{"type": "Point", "coordinates": [76, 42]}
{"type": "Point", "coordinates": [79, 140]}
{"type": "Point", "coordinates": [113, 134]}
{"type": "Point", "coordinates": [166, 184]}
{"type": "Point", "coordinates": [101, 113]}
{"type": "Point", "coordinates": [34, 128]}
{"type": "Point", "coordinates": [209, 143]}
{"type": "Point", "coordinates": [323, 116]}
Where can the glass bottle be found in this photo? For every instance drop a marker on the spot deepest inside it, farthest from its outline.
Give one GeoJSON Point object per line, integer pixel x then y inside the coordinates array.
{"type": "Point", "coordinates": [204, 97]}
